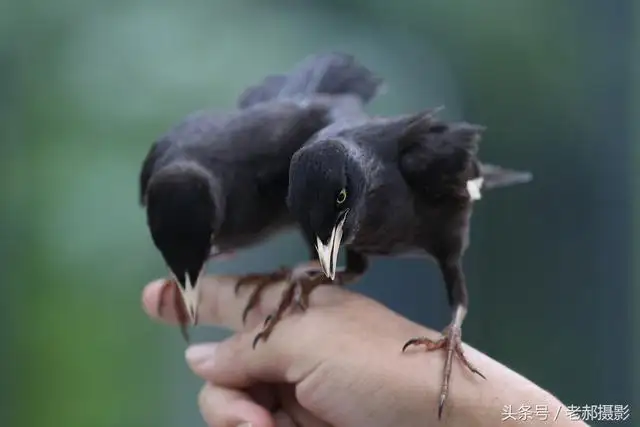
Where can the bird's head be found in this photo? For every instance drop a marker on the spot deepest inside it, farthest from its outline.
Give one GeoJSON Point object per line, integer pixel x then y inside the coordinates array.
{"type": "Point", "coordinates": [326, 188]}
{"type": "Point", "coordinates": [181, 213]}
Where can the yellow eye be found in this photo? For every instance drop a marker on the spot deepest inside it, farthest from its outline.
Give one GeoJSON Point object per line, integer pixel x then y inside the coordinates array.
{"type": "Point", "coordinates": [342, 196]}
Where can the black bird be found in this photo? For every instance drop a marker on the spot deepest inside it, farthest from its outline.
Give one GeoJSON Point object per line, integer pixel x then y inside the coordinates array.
{"type": "Point", "coordinates": [217, 182]}
{"type": "Point", "coordinates": [397, 186]}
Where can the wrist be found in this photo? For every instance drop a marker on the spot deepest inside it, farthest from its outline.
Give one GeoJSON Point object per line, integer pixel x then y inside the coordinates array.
{"type": "Point", "coordinates": [471, 401]}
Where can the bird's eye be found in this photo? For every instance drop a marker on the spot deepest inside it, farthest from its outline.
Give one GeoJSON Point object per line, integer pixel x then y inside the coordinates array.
{"type": "Point", "coordinates": [342, 196]}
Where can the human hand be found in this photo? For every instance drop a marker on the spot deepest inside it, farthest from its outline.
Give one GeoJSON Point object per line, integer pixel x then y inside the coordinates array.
{"type": "Point", "coordinates": [339, 364]}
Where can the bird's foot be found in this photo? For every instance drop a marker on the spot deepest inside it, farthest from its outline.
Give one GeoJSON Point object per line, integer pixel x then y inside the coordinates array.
{"type": "Point", "coordinates": [170, 285]}
{"type": "Point", "coordinates": [260, 282]}
{"type": "Point", "coordinates": [301, 282]}
{"type": "Point", "coordinates": [452, 343]}
{"type": "Point", "coordinates": [263, 280]}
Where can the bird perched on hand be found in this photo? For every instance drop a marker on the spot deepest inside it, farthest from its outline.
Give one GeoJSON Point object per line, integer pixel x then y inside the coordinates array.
{"type": "Point", "coordinates": [397, 186]}
{"type": "Point", "coordinates": [217, 182]}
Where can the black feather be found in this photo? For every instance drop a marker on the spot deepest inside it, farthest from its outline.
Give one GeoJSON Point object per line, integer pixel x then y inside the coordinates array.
{"type": "Point", "coordinates": [333, 73]}
{"type": "Point", "coordinates": [416, 180]}
{"type": "Point", "coordinates": [226, 174]}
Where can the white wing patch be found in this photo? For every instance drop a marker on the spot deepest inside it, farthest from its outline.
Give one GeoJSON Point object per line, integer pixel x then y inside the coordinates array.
{"type": "Point", "coordinates": [473, 188]}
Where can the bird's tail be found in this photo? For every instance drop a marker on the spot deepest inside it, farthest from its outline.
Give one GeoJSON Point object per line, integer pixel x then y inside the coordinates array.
{"type": "Point", "coordinates": [331, 73]}
{"type": "Point", "coordinates": [497, 176]}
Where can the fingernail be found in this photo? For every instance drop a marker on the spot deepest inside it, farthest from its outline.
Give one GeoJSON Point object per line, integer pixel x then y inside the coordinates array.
{"type": "Point", "coordinates": [198, 354]}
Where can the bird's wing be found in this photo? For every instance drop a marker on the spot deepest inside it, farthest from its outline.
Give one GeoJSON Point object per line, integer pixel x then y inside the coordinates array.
{"type": "Point", "coordinates": [332, 73]}
{"type": "Point", "coordinates": [268, 129]}
{"type": "Point", "coordinates": [438, 159]}
{"type": "Point", "coordinates": [260, 139]}
{"type": "Point", "coordinates": [266, 90]}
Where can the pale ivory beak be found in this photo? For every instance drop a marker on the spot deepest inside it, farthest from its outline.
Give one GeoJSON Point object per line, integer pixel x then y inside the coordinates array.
{"type": "Point", "coordinates": [191, 297]}
{"type": "Point", "coordinates": [328, 254]}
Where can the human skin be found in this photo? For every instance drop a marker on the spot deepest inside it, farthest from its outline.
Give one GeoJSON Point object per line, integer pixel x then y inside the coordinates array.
{"type": "Point", "coordinates": [339, 364]}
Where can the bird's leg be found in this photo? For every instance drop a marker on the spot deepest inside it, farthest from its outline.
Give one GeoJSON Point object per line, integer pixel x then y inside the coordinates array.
{"type": "Point", "coordinates": [451, 342]}
{"type": "Point", "coordinates": [260, 281]}
{"type": "Point", "coordinates": [304, 279]}
{"type": "Point", "coordinates": [301, 282]}
{"type": "Point", "coordinates": [356, 265]}
{"type": "Point", "coordinates": [170, 285]}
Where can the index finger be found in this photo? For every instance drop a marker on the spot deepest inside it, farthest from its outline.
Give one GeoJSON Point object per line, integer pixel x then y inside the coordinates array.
{"type": "Point", "coordinates": [221, 306]}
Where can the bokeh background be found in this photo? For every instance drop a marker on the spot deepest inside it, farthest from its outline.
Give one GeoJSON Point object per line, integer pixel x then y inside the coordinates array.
{"type": "Point", "coordinates": [85, 87]}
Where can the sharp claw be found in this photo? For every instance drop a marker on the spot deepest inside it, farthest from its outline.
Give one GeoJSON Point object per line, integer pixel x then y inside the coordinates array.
{"type": "Point", "coordinates": [465, 361]}
{"type": "Point", "coordinates": [296, 280]}
{"type": "Point", "coordinates": [244, 281]}
{"type": "Point", "coordinates": [264, 334]}
{"type": "Point", "coordinates": [409, 343]}
{"type": "Point", "coordinates": [475, 370]}
{"type": "Point", "coordinates": [429, 344]}
{"type": "Point", "coordinates": [256, 340]}
{"type": "Point", "coordinates": [253, 301]}
{"type": "Point", "coordinates": [441, 406]}
{"type": "Point", "coordinates": [451, 342]}
{"type": "Point", "coordinates": [241, 282]}
{"type": "Point", "coordinates": [263, 280]}
{"type": "Point", "coordinates": [287, 300]}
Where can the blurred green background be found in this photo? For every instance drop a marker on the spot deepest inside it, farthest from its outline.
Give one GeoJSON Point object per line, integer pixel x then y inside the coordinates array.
{"type": "Point", "coordinates": [86, 86]}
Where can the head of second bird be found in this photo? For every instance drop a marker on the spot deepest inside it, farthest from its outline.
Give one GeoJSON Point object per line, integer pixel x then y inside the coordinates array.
{"type": "Point", "coordinates": [180, 214]}
{"type": "Point", "coordinates": [326, 190]}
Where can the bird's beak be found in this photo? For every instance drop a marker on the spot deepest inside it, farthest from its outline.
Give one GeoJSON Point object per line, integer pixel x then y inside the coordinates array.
{"type": "Point", "coordinates": [328, 253]}
{"type": "Point", "coordinates": [190, 291]}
